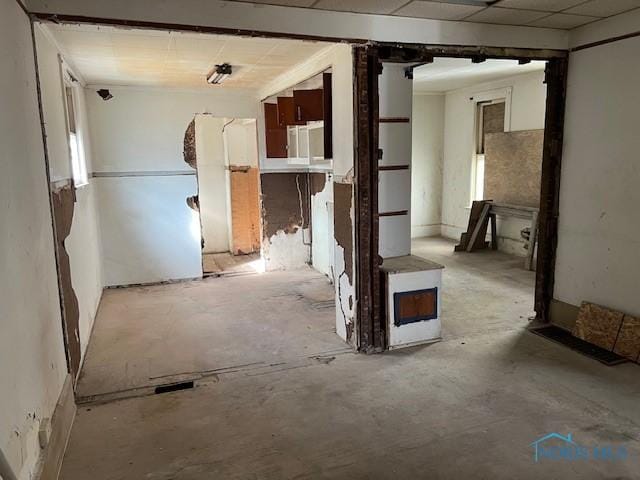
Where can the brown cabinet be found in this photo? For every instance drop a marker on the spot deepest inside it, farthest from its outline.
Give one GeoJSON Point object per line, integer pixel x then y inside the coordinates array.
{"type": "Point", "coordinates": [308, 105]}
{"type": "Point", "coordinates": [276, 134]}
{"type": "Point", "coordinates": [287, 112]}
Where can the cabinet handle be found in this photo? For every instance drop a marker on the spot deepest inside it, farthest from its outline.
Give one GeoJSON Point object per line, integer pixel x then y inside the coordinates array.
{"type": "Point", "coordinates": [299, 114]}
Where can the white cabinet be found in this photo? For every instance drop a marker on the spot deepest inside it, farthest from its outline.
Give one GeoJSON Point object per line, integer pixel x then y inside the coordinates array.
{"type": "Point", "coordinates": [305, 144]}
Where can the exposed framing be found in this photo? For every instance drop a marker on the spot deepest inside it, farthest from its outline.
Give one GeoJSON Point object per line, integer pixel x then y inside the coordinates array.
{"type": "Point", "coordinates": [369, 315]}
{"type": "Point", "coordinates": [367, 57]}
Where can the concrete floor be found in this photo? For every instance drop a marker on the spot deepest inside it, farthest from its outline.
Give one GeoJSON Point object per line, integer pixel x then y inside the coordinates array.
{"type": "Point", "coordinates": [467, 407]}
{"type": "Point", "coordinates": [153, 335]}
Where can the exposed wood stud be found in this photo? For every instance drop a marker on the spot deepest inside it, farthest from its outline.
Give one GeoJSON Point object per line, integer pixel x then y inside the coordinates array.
{"type": "Point", "coordinates": [556, 80]}
{"type": "Point", "coordinates": [370, 329]}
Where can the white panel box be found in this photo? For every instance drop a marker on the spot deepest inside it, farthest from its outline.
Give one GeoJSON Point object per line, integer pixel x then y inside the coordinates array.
{"type": "Point", "coordinates": [412, 288]}
{"type": "Point", "coordinates": [396, 91]}
{"type": "Point", "coordinates": [392, 190]}
{"type": "Point", "coordinates": [395, 238]}
{"type": "Point", "coordinates": [395, 143]}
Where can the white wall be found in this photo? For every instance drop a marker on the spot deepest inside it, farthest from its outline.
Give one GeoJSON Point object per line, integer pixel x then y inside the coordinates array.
{"type": "Point", "coordinates": [303, 21]}
{"type": "Point", "coordinates": [599, 231]}
{"type": "Point", "coordinates": [528, 99]}
{"type": "Point", "coordinates": [212, 184]}
{"type": "Point", "coordinates": [427, 140]}
{"type": "Point", "coordinates": [32, 360]}
{"type": "Point", "coordinates": [149, 234]}
{"type": "Point", "coordinates": [322, 229]}
{"type": "Point", "coordinates": [394, 189]}
{"type": "Point", "coordinates": [221, 142]}
{"type": "Point", "coordinates": [83, 243]}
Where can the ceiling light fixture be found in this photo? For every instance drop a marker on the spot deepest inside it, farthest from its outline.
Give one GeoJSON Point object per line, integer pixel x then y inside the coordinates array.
{"type": "Point", "coordinates": [219, 74]}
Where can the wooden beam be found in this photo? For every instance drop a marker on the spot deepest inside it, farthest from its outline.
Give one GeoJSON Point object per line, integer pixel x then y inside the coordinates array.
{"type": "Point", "coordinates": [556, 80]}
{"type": "Point", "coordinates": [371, 336]}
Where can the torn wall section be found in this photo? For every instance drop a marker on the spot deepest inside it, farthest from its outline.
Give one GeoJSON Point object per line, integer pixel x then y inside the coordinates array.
{"type": "Point", "coordinates": [344, 260]}
{"type": "Point", "coordinates": [286, 218]}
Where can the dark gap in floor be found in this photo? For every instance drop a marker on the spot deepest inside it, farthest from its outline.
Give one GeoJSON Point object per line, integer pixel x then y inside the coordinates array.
{"type": "Point", "coordinates": [558, 335]}
{"type": "Point", "coordinates": [174, 387]}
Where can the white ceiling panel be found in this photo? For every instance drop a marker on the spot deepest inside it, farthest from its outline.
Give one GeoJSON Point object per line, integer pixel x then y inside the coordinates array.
{"type": "Point", "coordinates": [604, 8]}
{"type": "Point", "coordinates": [117, 56]}
{"type": "Point", "coordinates": [361, 6]}
{"type": "Point", "coordinates": [563, 21]}
{"type": "Point", "coordinates": [446, 74]}
{"type": "Point", "coordinates": [542, 5]}
{"type": "Point", "coordinates": [506, 16]}
{"type": "Point", "coordinates": [505, 12]}
{"type": "Point", "coordinates": [437, 10]}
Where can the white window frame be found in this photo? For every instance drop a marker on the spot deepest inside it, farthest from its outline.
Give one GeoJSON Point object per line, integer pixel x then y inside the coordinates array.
{"type": "Point", "coordinates": [502, 95]}
{"type": "Point", "coordinates": [75, 140]}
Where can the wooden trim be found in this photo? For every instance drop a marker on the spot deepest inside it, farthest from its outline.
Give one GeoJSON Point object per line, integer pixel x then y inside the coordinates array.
{"type": "Point", "coordinates": [387, 168]}
{"type": "Point", "coordinates": [605, 42]}
{"type": "Point", "coordinates": [556, 80]}
{"type": "Point", "coordinates": [370, 334]}
{"type": "Point", "coordinates": [416, 52]}
{"type": "Point", "coordinates": [395, 120]}
{"type": "Point", "coordinates": [393, 214]}
{"type": "Point", "coordinates": [61, 423]}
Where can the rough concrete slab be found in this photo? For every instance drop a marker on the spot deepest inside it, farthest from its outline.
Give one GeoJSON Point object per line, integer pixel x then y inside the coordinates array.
{"type": "Point", "coordinates": [467, 407]}
{"type": "Point", "coordinates": [145, 336]}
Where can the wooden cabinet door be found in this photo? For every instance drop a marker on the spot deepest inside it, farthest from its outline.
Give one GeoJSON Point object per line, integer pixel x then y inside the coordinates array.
{"type": "Point", "coordinates": [308, 105]}
{"type": "Point", "coordinates": [245, 213]}
{"type": "Point", "coordinates": [276, 135]}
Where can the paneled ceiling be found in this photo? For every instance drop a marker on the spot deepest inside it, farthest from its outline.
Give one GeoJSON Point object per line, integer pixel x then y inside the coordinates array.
{"type": "Point", "coordinates": [118, 56]}
{"type": "Point", "coordinates": [562, 14]}
{"type": "Point", "coordinates": [446, 74]}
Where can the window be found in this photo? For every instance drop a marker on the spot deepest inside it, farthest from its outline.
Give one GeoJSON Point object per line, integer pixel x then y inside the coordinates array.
{"type": "Point", "coordinates": [76, 148]}
{"type": "Point", "coordinates": [490, 117]}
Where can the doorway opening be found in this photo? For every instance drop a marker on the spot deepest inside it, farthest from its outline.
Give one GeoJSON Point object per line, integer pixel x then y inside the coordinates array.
{"type": "Point", "coordinates": [227, 164]}
{"type": "Point", "coordinates": [215, 253]}
{"type": "Point", "coordinates": [503, 135]}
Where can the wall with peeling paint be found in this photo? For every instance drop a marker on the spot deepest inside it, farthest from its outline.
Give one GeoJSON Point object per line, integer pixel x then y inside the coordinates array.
{"type": "Point", "coordinates": [149, 234]}
{"type": "Point", "coordinates": [83, 243]}
{"type": "Point", "coordinates": [32, 359]}
{"type": "Point", "coordinates": [340, 59]}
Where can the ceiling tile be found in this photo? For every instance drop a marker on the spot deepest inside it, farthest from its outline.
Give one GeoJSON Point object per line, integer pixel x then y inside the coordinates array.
{"type": "Point", "coordinates": [542, 5]}
{"type": "Point", "coordinates": [604, 8]}
{"type": "Point", "coordinates": [437, 10]}
{"type": "Point", "coordinates": [286, 3]}
{"type": "Point", "coordinates": [506, 16]}
{"type": "Point", "coordinates": [361, 6]}
{"type": "Point", "coordinates": [563, 21]}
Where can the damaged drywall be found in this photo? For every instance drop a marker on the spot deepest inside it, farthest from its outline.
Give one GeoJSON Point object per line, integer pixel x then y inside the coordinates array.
{"type": "Point", "coordinates": [343, 233]}
{"type": "Point", "coordinates": [286, 217]}
{"type": "Point", "coordinates": [189, 148]}
{"type": "Point", "coordinates": [63, 199]}
{"type": "Point", "coordinates": [285, 220]}
{"type": "Point", "coordinates": [285, 203]}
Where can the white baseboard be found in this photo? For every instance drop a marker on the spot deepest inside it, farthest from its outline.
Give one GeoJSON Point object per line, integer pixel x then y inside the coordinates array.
{"type": "Point", "coordinates": [425, 230]}
{"type": "Point", "coordinates": [61, 423]}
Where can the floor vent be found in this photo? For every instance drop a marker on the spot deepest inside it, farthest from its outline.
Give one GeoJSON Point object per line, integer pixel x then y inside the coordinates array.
{"type": "Point", "coordinates": [174, 387]}
{"type": "Point", "coordinates": [558, 335]}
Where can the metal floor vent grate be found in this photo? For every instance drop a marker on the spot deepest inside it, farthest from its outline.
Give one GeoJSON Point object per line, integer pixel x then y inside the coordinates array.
{"type": "Point", "coordinates": [558, 335]}
{"type": "Point", "coordinates": [174, 387]}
